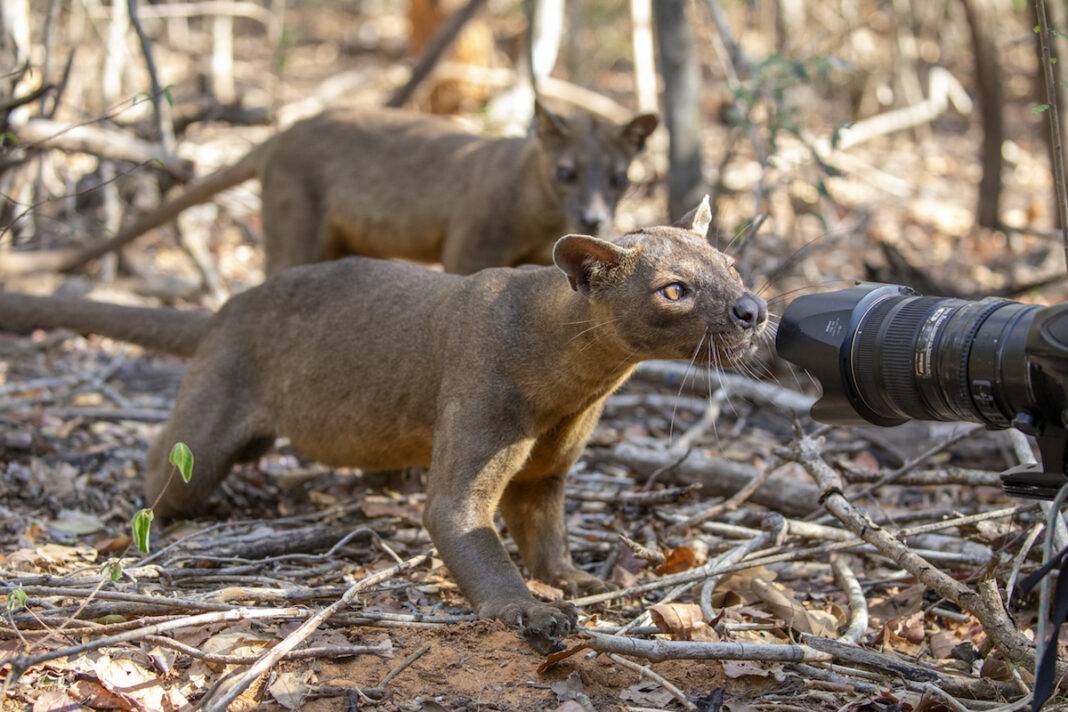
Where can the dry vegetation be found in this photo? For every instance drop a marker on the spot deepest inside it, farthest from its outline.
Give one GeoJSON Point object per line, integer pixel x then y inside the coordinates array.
{"type": "Point", "coordinates": [688, 474]}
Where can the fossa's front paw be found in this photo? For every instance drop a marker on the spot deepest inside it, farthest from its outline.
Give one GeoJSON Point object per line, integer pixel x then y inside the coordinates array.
{"type": "Point", "coordinates": [542, 625]}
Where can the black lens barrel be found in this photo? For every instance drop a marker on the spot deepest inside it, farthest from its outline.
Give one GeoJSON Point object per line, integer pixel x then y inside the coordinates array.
{"type": "Point", "coordinates": [889, 356]}
{"type": "Point", "coordinates": [934, 358]}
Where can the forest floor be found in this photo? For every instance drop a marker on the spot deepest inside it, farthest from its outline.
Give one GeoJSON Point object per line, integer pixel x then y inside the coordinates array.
{"type": "Point", "coordinates": [286, 537]}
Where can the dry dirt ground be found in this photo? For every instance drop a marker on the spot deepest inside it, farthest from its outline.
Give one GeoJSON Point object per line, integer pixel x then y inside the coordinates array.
{"type": "Point", "coordinates": [76, 416]}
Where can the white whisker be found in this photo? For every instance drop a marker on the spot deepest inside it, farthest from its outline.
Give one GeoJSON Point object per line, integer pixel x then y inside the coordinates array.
{"type": "Point", "coordinates": [685, 376]}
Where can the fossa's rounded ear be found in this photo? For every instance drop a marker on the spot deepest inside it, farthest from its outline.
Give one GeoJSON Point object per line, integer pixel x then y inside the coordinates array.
{"type": "Point", "coordinates": [581, 257]}
{"type": "Point", "coordinates": [638, 129]}
{"type": "Point", "coordinates": [697, 220]}
{"type": "Point", "coordinates": [549, 126]}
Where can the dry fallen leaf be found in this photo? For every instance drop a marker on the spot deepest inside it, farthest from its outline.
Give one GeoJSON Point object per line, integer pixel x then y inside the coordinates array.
{"type": "Point", "coordinates": [128, 680]}
{"type": "Point", "coordinates": [910, 628]}
{"type": "Point", "coordinates": [681, 558]}
{"type": "Point", "coordinates": [646, 693]}
{"type": "Point", "coordinates": [96, 696]}
{"type": "Point", "coordinates": [678, 619]}
{"type": "Point", "coordinates": [289, 689]}
{"type": "Point", "coordinates": [622, 577]}
{"type": "Point", "coordinates": [56, 701]}
{"type": "Point", "coordinates": [903, 604]}
{"type": "Point", "coordinates": [53, 558]}
{"type": "Point", "coordinates": [735, 669]}
{"type": "Point", "coordinates": [889, 640]}
{"type": "Point", "coordinates": [740, 582]}
{"type": "Point", "coordinates": [793, 613]}
{"type": "Point", "coordinates": [74, 522]}
{"type": "Point", "coordinates": [569, 687]}
{"type": "Point", "coordinates": [942, 644]}
{"type": "Point", "coordinates": [570, 706]}
{"type": "Point", "coordinates": [553, 658]}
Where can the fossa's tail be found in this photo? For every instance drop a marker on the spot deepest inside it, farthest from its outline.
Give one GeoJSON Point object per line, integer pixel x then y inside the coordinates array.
{"type": "Point", "coordinates": [172, 331]}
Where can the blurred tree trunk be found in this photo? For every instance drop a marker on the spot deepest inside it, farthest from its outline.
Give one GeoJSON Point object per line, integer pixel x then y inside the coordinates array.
{"type": "Point", "coordinates": [682, 93]}
{"type": "Point", "coordinates": [1055, 18]}
{"type": "Point", "coordinates": [982, 20]}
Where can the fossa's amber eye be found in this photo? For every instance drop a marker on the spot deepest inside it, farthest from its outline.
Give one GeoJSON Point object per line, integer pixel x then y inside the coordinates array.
{"type": "Point", "coordinates": [673, 292]}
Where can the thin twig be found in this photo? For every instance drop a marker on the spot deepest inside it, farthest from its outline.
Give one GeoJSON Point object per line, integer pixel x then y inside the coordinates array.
{"type": "Point", "coordinates": [423, 649]}
{"type": "Point", "coordinates": [858, 605]}
{"type": "Point", "coordinates": [644, 671]}
{"type": "Point", "coordinates": [383, 649]}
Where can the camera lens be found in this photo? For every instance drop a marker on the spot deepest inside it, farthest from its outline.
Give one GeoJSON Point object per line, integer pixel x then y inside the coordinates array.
{"type": "Point", "coordinates": [886, 355]}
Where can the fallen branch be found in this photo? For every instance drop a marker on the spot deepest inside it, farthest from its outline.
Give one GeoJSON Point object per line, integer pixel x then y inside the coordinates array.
{"type": "Point", "coordinates": [291, 641]}
{"type": "Point", "coordinates": [717, 477]}
{"type": "Point", "coordinates": [23, 663]}
{"type": "Point", "coordinates": [644, 499]}
{"type": "Point", "coordinates": [660, 650]}
{"type": "Point", "coordinates": [735, 500]}
{"type": "Point", "coordinates": [1002, 632]}
{"type": "Point", "coordinates": [383, 649]}
{"type": "Point", "coordinates": [701, 381]}
{"type": "Point", "coordinates": [102, 142]}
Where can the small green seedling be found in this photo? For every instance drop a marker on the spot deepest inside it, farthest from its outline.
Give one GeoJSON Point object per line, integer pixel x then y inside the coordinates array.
{"type": "Point", "coordinates": [112, 569]}
{"type": "Point", "coordinates": [142, 525]}
{"type": "Point", "coordinates": [182, 458]}
{"type": "Point", "coordinates": [16, 600]}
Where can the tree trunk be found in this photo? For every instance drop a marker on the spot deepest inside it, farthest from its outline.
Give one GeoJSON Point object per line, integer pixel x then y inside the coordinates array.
{"type": "Point", "coordinates": [982, 19]}
{"type": "Point", "coordinates": [682, 93]}
{"type": "Point", "coordinates": [1040, 91]}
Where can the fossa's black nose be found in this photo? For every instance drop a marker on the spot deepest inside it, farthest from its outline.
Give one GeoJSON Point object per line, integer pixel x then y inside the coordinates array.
{"type": "Point", "coordinates": [749, 312]}
{"type": "Point", "coordinates": [592, 220]}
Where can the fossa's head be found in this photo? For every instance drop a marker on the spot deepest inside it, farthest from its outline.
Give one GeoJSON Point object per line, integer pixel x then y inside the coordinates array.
{"type": "Point", "coordinates": [665, 292]}
{"type": "Point", "coordinates": [587, 158]}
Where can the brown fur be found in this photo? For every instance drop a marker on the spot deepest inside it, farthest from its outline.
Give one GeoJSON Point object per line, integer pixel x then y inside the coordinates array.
{"type": "Point", "coordinates": [494, 381]}
{"type": "Point", "coordinates": [342, 183]}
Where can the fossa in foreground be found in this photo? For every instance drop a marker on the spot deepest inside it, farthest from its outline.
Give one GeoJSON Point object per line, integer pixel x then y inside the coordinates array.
{"type": "Point", "coordinates": [494, 381]}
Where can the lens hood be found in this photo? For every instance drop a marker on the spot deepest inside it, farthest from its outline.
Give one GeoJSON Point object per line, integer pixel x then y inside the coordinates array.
{"type": "Point", "coordinates": [817, 333]}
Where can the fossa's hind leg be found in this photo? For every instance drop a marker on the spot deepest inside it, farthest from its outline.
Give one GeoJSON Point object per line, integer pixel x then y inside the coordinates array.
{"type": "Point", "coordinates": [534, 513]}
{"type": "Point", "coordinates": [216, 418]}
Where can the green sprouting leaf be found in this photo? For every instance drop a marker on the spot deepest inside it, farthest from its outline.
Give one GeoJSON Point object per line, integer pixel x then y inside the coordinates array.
{"type": "Point", "coordinates": [1052, 60]}
{"type": "Point", "coordinates": [167, 96]}
{"type": "Point", "coordinates": [1039, 109]}
{"type": "Point", "coordinates": [182, 458]}
{"type": "Point", "coordinates": [112, 570]}
{"type": "Point", "coordinates": [16, 600]}
{"type": "Point", "coordinates": [821, 188]}
{"type": "Point", "coordinates": [8, 138]}
{"type": "Point", "coordinates": [141, 525]}
{"type": "Point", "coordinates": [1036, 29]}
